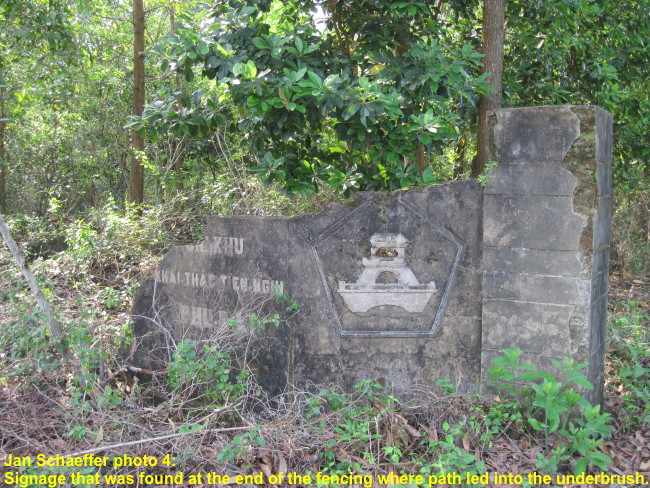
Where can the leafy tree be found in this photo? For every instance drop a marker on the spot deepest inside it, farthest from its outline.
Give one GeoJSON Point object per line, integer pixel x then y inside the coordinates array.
{"type": "Point", "coordinates": [333, 91]}
{"type": "Point", "coordinates": [345, 105]}
{"type": "Point", "coordinates": [66, 109]}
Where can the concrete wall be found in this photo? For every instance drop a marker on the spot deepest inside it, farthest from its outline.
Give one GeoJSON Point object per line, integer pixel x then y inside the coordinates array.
{"type": "Point", "coordinates": [310, 256]}
{"type": "Point", "coordinates": [412, 286]}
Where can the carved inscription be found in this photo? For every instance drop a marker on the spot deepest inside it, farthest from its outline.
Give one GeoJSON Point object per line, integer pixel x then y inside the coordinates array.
{"type": "Point", "coordinates": [199, 316]}
{"type": "Point", "coordinates": [230, 246]}
{"type": "Point", "coordinates": [219, 282]}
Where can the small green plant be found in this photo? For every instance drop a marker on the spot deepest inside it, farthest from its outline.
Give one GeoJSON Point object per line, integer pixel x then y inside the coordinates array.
{"type": "Point", "coordinates": [238, 448]}
{"type": "Point", "coordinates": [484, 177]}
{"type": "Point", "coordinates": [552, 406]}
{"type": "Point", "coordinates": [446, 386]}
{"type": "Point", "coordinates": [394, 453]}
{"type": "Point", "coordinates": [258, 321]}
{"type": "Point", "coordinates": [205, 371]}
{"type": "Point", "coordinates": [448, 456]}
{"type": "Point", "coordinates": [78, 431]}
{"type": "Point", "coordinates": [497, 419]}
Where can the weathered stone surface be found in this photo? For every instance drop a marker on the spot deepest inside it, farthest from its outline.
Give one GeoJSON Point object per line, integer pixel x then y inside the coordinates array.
{"type": "Point", "coordinates": [230, 275]}
{"type": "Point", "coordinates": [530, 288]}
{"type": "Point", "coordinates": [413, 286]}
{"type": "Point", "coordinates": [532, 326]}
{"type": "Point", "coordinates": [376, 283]}
{"type": "Point", "coordinates": [534, 222]}
{"type": "Point", "coordinates": [545, 178]}
{"type": "Point", "coordinates": [604, 135]}
{"type": "Point", "coordinates": [604, 179]}
{"type": "Point", "coordinates": [602, 229]}
{"type": "Point", "coordinates": [532, 261]}
{"type": "Point", "coordinates": [535, 133]}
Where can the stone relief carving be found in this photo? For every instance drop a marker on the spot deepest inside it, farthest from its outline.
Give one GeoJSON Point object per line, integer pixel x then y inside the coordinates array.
{"type": "Point", "coordinates": [387, 279]}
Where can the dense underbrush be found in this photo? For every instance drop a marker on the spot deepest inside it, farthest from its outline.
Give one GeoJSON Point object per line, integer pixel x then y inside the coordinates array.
{"type": "Point", "coordinates": [207, 412]}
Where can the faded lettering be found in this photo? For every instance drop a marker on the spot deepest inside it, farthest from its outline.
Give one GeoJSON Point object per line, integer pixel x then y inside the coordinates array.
{"type": "Point", "coordinates": [230, 246]}
{"type": "Point", "coordinates": [200, 316]}
{"type": "Point", "coordinates": [242, 284]}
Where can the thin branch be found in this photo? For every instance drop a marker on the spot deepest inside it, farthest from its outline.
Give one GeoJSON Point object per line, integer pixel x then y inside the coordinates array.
{"type": "Point", "coordinates": [55, 330]}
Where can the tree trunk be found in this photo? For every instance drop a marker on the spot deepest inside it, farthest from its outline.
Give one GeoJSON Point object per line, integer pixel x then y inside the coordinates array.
{"type": "Point", "coordinates": [177, 148]}
{"type": "Point", "coordinates": [419, 159]}
{"type": "Point", "coordinates": [3, 156]}
{"type": "Point", "coordinates": [493, 27]}
{"type": "Point", "coordinates": [136, 185]}
{"type": "Point", "coordinates": [3, 148]}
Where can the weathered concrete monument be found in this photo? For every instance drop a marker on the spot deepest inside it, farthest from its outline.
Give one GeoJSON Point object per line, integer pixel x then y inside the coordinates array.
{"type": "Point", "coordinates": [412, 286]}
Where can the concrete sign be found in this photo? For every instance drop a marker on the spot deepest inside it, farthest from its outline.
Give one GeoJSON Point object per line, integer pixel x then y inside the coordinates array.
{"type": "Point", "coordinates": [412, 286]}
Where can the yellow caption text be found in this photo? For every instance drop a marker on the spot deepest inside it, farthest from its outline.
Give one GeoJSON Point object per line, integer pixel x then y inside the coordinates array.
{"type": "Point", "coordinates": [124, 469]}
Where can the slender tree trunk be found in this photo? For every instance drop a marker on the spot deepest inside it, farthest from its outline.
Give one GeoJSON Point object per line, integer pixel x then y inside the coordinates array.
{"type": "Point", "coordinates": [55, 330]}
{"type": "Point", "coordinates": [493, 26]}
{"type": "Point", "coordinates": [3, 156]}
{"type": "Point", "coordinates": [3, 148]}
{"type": "Point", "coordinates": [177, 153]}
{"type": "Point", "coordinates": [136, 185]}
{"type": "Point", "coordinates": [41, 300]}
{"type": "Point", "coordinates": [419, 159]}
{"type": "Point", "coordinates": [459, 163]}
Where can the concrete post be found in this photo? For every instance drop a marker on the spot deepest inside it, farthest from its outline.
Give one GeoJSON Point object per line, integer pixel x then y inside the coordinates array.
{"type": "Point", "coordinates": [546, 237]}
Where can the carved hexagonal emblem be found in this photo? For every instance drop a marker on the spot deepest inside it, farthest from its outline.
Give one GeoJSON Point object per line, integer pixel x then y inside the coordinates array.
{"type": "Point", "coordinates": [387, 270]}
{"type": "Point", "coordinates": [386, 279]}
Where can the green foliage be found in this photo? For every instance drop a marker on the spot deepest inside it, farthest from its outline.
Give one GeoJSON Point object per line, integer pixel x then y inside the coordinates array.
{"type": "Point", "coordinates": [370, 430]}
{"type": "Point", "coordinates": [78, 431]}
{"type": "Point", "coordinates": [28, 345]}
{"type": "Point", "coordinates": [551, 406]}
{"type": "Point", "coordinates": [214, 371]}
{"type": "Point", "coordinates": [227, 195]}
{"type": "Point", "coordinates": [484, 177]}
{"type": "Point", "coordinates": [505, 418]}
{"type": "Point", "coordinates": [630, 245]}
{"type": "Point", "coordinates": [336, 99]}
{"type": "Point", "coordinates": [206, 372]}
{"type": "Point", "coordinates": [239, 446]}
{"type": "Point", "coordinates": [62, 94]}
{"type": "Point", "coordinates": [446, 386]}
{"type": "Point", "coordinates": [107, 236]}
{"type": "Point", "coordinates": [312, 112]}
{"type": "Point", "coordinates": [449, 456]}
{"type": "Point", "coordinates": [29, 25]}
